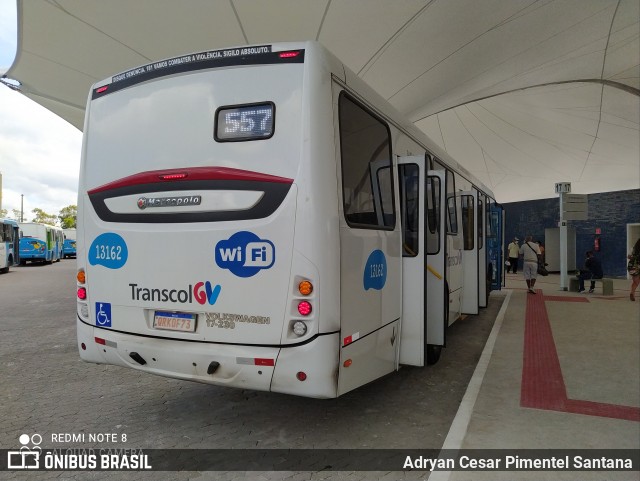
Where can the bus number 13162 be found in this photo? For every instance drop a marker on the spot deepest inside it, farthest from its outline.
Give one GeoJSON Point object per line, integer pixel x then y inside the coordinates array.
{"type": "Point", "coordinates": [109, 252]}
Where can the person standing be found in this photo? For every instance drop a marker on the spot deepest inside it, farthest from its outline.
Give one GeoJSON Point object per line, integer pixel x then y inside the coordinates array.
{"type": "Point", "coordinates": [592, 270]}
{"type": "Point", "coordinates": [529, 252]}
{"type": "Point", "coordinates": [541, 247]}
{"type": "Point", "coordinates": [513, 252]}
{"type": "Point", "coordinates": [634, 269]}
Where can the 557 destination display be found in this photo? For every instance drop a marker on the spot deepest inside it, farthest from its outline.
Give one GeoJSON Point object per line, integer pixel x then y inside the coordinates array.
{"type": "Point", "coordinates": [244, 122]}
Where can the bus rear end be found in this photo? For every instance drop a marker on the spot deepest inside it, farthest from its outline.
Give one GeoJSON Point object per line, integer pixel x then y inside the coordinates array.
{"type": "Point", "coordinates": [187, 209]}
{"type": "Point", "coordinates": [36, 243]}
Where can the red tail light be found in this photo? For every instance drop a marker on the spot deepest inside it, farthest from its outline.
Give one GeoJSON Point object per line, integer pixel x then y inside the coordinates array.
{"type": "Point", "coordinates": [292, 53]}
{"type": "Point", "coordinates": [181, 175]}
{"type": "Point", "coordinates": [304, 308]}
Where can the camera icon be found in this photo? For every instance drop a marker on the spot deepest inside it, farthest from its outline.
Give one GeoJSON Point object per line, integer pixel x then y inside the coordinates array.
{"type": "Point", "coordinates": [26, 457]}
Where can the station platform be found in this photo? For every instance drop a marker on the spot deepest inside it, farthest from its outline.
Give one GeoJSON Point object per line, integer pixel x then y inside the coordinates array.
{"type": "Point", "coordinates": [560, 370]}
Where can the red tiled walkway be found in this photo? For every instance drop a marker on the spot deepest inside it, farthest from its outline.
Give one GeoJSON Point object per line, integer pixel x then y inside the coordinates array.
{"type": "Point", "coordinates": [542, 382]}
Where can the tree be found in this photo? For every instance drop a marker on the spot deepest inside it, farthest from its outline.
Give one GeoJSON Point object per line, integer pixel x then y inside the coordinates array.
{"type": "Point", "coordinates": [16, 215]}
{"type": "Point", "coordinates": [68, 216]}
{"type": "Point", "coordinates": [44, 218]}
{"type": "Point", "coordinates": [3, 212]}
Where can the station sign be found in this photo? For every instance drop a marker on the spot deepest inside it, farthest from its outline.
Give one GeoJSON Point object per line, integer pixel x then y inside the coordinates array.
{"type": "Point", "coordinates": [574, 206]}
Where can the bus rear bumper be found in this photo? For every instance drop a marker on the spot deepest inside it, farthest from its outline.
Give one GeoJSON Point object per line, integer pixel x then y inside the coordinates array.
{"type": "Point", "coordinates": [239, 366]}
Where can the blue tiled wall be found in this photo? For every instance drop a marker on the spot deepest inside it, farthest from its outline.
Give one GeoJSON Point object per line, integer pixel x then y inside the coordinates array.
{"type": "Point", "coordinates": [610, 211]}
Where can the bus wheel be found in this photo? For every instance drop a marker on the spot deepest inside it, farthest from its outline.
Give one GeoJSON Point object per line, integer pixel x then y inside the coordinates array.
{"type": "Point", "coordinates": [433, 353]}
{"type": "Point", "coordinates": [9, 264]}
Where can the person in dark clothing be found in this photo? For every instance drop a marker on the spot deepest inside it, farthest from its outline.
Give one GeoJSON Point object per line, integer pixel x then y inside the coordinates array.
{"type": "Point", "coordinates": [592, 270]}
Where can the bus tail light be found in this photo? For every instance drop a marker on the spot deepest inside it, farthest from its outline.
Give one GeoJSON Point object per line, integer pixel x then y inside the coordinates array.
{"type": "Point", "coordinates": [289, 54]}
{"type": "Point", "coordinates": [305, 288]}
{"type": "Point", "coordinates": [81, 276]}
{"type": "Point", "coordinates": [304, 308]}
{"type": "Point", "coordinates": [301, 376]}
{"type": "Point", "coordinates": [176, 176]}
{"type": "Point", "coordinates": [299, 328]}
{"type": "Point", "coordinates": [82, 293]}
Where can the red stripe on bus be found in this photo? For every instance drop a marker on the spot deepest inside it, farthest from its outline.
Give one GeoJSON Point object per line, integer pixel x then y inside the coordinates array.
{"type": "Point", "coordinates": [189, 174]}
{"type": "Point", "coordinates": [263, 362]}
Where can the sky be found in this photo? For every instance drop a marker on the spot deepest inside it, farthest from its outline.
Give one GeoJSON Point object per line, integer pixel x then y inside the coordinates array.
{"type": "Point", "coordinates": [39, 152]}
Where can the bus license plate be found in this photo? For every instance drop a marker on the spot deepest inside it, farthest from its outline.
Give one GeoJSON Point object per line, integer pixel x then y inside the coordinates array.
{"type": "Point", "coordinates": [174, 321]}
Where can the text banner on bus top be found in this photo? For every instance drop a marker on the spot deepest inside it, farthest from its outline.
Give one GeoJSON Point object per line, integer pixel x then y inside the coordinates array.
{"type": "Point", "coordinates": [261, 54]}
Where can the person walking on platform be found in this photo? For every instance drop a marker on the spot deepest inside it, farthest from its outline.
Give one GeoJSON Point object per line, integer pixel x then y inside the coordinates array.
{"type": "Point", "coordinates": [592, 270]}
{"type": "Point", "coordinates": [530, 253]}
{"type": "Point", "coordinates": [513, 252]}
{"type": "Point", "coordinates": [634, 269]}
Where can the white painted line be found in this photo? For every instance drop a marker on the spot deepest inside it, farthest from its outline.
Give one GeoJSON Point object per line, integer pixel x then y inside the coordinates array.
{"type": "Point", "coordinates": [460, 424]}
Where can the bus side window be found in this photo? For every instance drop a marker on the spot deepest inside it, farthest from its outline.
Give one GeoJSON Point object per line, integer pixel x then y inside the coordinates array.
{"type": "Point", "coordinates": [433, 215]}
{"type": "Point", "coordinates": [367, 180]}
{"type": "Point", "coordinates": [480, 222]}
{"type": "Point", "coordinates": [409, 210]}
{"type": "Point", "coordinates": [468, 231]}
{"type": "Point", "coordinates": [452, 209]}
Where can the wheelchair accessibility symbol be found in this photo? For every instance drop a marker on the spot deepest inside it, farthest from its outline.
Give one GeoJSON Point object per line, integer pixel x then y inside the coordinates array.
{"type": "Point", "coordinates": [103, 314]}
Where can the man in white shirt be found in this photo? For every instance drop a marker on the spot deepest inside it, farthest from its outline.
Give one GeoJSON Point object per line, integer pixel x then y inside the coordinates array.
{"type": "Point", "coordinates": [530, 252]}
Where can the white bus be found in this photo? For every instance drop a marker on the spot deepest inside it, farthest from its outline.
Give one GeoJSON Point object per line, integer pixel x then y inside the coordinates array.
{"type": "Point", "coordinates": [9, 244]}
{"type": "Point", "coordinates": [40, 242]}
{"type": "Point", "coordinates": [258, 217]}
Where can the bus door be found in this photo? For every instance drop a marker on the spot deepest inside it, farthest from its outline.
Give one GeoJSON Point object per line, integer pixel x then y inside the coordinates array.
{"type": "Point", "coordinates": [495, 261]}
{"type": "Point", "coordinates": [470, 283]}
{"type": "Point", "coordinates": [50, 244]}
{"type": "Point", "coordinates": [16, 244]}
{"type": "Point", "coordinates": [424, 294]}
{"type": "Point", "coordinates": [370, 262]}
{"type": "Point", "coordinates": [483, 285]}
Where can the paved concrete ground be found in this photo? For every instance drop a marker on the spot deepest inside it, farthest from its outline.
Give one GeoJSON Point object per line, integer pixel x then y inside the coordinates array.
{"type": "Point", "coordinates": [46, 389]}
{"type": "Point", "coordinates": [596, 342]}
{"type": "Point", "coordinates": [562, 372]}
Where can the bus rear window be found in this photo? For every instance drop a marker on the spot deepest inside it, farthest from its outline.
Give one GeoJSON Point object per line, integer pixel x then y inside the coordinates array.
{"type": "Point", "coordinates": [237, 123]}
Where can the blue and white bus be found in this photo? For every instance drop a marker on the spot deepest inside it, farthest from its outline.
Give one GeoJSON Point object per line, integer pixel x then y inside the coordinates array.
{"type": "Point", "coordinates": [58, 244]}
{"type": "Point", "coordinates": [69, 246]}
{"type": "Point", "coordinates": [9, 244]}
{"type": "Point", "coordinates": [269, 222]}
{"type": "Point", "coordinates": [39, 243]}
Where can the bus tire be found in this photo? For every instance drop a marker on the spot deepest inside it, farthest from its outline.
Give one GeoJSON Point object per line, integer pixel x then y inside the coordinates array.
{"type": "Point", "coordinates": [4, 270]}
{"type": "Point", "coordinates": [433, 353]}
